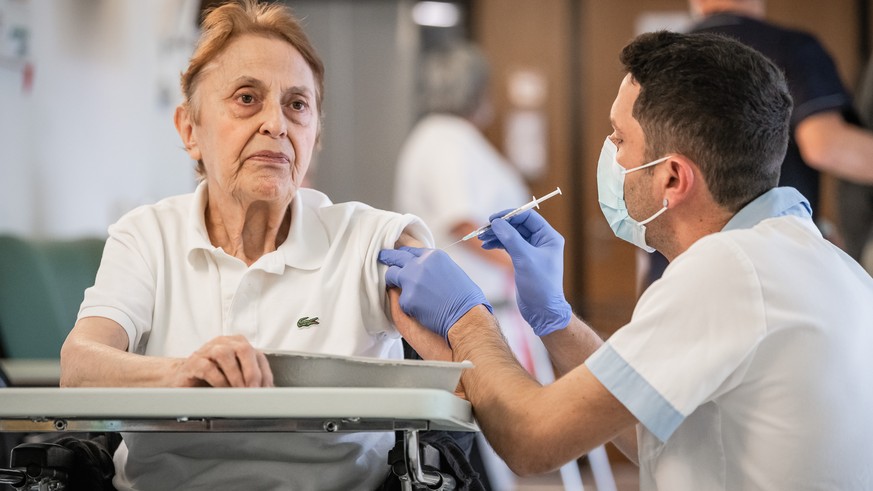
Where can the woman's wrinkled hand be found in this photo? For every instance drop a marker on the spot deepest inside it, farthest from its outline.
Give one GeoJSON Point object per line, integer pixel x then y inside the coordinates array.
{"type": "Point", "coordinates": [225, 361]}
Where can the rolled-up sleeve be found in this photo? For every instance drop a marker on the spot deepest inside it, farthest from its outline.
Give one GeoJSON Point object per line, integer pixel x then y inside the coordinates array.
{"type": "Point", "coordinates": [124, 289]}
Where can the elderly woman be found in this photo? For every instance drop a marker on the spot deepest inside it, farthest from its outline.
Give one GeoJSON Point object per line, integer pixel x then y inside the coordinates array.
{"type": "Point", "coordinates": [192, 289]}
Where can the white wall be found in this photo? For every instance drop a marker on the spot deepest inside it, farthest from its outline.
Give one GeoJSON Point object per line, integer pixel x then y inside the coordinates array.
{"type": "Point", "coordinates": [16, 209]}
{"type": "Point", "coordinates": [94, 137]}
{"type": "Point", "coordinates": [369, 49]}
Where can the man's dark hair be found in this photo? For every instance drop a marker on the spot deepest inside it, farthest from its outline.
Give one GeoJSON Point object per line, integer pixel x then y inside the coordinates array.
{"type": "Point", "coordinates": [716, 101]}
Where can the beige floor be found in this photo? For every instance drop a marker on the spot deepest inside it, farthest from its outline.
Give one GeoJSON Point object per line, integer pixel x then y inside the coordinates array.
{"type": "Point", "coordinates": [626, 479]}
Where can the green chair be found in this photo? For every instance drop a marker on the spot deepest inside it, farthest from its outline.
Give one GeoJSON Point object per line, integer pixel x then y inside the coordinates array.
{"type": "Point", "coordinates": [41, 288]}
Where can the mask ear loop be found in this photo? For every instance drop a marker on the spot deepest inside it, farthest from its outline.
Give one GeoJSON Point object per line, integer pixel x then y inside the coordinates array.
{"type": "Point", "coordinates": [656, 215]}
{"type": "Point", "coordinates": [650, 164]}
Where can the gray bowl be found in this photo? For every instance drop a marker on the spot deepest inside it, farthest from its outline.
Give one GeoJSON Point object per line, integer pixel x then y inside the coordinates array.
{"type": "Point", "coordinates": [299, 369]}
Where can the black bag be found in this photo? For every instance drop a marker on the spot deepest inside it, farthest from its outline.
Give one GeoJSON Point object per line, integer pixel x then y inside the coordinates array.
{"type": "Point", "coordinates": [93, 468]}
{"type": "Point", "coordinates": [442, 452]}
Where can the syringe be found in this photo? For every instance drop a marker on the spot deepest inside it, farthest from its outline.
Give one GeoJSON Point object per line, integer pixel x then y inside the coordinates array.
{"type": "Point", "coordinates": [527, 206]}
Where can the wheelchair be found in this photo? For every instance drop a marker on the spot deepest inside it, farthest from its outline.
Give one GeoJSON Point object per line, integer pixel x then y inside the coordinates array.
{"type": "Point", "coordinates": [67, 464]}
{"type": "Point", "coordinates": [435, 461]}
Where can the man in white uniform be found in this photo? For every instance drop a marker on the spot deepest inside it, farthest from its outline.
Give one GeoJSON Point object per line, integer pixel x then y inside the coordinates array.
{"type": "Point", "coordinates": [747, 366]}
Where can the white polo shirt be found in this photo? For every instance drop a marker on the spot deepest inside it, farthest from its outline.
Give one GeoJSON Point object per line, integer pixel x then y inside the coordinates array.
{"type": "Point", "coordinates": [748, 364]}
{"type": "Point", "coordinates": [172, 291]}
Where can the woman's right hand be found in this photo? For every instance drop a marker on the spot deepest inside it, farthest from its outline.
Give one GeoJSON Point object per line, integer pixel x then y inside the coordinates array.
{"type": "Point", "coordinates": [225, 361]}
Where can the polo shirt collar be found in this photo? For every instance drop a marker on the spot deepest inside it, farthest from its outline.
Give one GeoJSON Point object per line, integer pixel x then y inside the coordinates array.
{"type": "Point", "coordinates": [783, 201]}
{"type": "Point", "coordinates": [197, 236]}
{"type": "Point", "coordinates": [305, 248]}
{"type": "Point", "coordinates": [307, 242]}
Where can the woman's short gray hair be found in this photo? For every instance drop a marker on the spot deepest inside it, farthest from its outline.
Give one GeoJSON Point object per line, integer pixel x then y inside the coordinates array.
{"type": "Point", "coordinates": [454, 79]}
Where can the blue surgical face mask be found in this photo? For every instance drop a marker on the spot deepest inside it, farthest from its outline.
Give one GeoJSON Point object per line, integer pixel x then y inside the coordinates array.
{"type": "Point", "coordinates": [610, 191]}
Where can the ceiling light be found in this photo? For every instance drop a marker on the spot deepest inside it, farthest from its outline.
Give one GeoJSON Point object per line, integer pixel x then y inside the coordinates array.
{"type": "Point", "coordinates": [436, 14]}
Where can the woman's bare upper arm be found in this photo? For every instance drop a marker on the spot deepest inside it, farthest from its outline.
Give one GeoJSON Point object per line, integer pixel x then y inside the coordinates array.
{"type": "Point", "coordinates": [95, 355]}
{"type": "Point", "coordinates": [407, 240]}
{"type": "Point", "coordinates": [99, 330]}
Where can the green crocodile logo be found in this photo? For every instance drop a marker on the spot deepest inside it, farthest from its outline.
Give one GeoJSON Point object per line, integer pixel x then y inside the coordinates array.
{"type": "Point", "coordinates": [306, 322]}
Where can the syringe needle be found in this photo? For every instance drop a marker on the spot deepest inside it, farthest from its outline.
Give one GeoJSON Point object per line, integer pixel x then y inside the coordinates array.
{"type": "Point", "coordinates": [527, 206]}
{"type": "Point", "coordinates": [453, 243]}
{"type": "Point", "coordinates": [469, 236]}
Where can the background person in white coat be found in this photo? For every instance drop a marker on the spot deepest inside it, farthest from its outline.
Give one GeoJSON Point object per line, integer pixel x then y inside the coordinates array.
{"type": "Point", "coordinates": [450, 176]}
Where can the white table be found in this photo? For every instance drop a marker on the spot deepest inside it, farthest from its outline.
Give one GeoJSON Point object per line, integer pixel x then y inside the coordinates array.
{"type": "Point", "coordinates": [238, 410]}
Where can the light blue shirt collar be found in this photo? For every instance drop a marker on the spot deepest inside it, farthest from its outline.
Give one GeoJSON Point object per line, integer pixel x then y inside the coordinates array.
{"type": "Point", "coordinates": [774, 203]}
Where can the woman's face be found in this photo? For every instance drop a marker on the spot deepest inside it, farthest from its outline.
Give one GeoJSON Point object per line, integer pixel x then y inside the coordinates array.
{"type": "Point", "coordinates": [257, 120]}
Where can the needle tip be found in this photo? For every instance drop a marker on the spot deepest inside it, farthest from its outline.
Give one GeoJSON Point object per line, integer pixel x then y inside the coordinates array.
{"type": "Point", "coordinates": [453, 243]}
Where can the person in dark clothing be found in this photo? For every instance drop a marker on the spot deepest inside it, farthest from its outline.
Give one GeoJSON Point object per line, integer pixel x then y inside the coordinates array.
{"type": "Point", "coordinates": [825, 132]}
{"type": "Point", "coordinates": [855, 205]}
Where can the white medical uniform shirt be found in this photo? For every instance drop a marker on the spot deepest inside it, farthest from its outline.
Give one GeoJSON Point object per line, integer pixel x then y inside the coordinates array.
{"type": "Point", "coordinates": [172, 291]}
{"type": "Point", "coordinates": [750, 363]}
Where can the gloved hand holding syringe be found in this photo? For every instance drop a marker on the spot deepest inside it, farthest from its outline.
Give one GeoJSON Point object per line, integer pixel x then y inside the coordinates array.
{"type": "Point", "coordinates": [484, 228]}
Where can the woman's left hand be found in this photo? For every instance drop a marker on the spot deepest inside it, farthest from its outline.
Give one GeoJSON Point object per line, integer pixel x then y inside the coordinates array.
{"type": "Point", "coordinates": [224, 361]}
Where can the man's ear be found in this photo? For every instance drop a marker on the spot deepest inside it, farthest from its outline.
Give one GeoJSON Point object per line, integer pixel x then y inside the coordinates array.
{"type": "Point", "coordinates": [681, 180]}
{"type": "Point", "coordinates": [185, 127]}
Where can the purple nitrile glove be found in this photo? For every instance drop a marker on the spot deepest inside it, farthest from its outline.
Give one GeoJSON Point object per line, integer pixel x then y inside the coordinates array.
{"type": "Point", "coordinates": [537, 253]}
{"type": "Point", "coordinates": [435, 290]}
